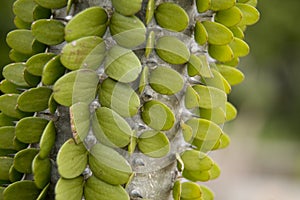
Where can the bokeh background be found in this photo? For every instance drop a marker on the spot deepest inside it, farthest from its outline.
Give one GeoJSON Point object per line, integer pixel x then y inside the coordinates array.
{"type": "Point", "coordinates": [263, 160]}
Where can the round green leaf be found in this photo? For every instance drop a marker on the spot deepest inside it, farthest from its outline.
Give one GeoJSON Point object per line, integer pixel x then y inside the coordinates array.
{"type": "Point", "coordinates": [122, 64]}
{"type": "Point", "coordinates": [237, 32]}
{"type": "Point", "coordinates": [190, 190]}
{"type": "Point", "coordinates": [25, 190]}
{"type": "Point", "coordinates": [14, 175]}
{"type": "Point", "coordinates": [222, 53]}
{"type": "Point", "coordinates": [231, 74]}
{"type": "Point", "coordinates": [231, 112]}
{"type": "Point", "coordinates": [30, 129]}
{"type": "Point", "coordinates": [80, 118]}
{"type": "Point", "coordinates": [143, 79]}
{"type": "Point", "coordinates": [23, 160]}
{"type": "Point", "coordinates": [250, 14]}
{"type": "Point", "coordinates": [207, 193]}
{"type": "Point", "coordinates": [89, 22]}
{"type": "Point", "coordinates": [127, 31]}
{"type": "Point", "coordinates": [172, 50]}
{"type": "Point", "coordinates": [196, 175]}
{"type": "Point", "coordinates": [52, 104]}
{"type": "Point", "coordinates": [24, 42]}
{"type": "Point", "coordinates": [171, 16]}
{"type": "Point", "coordinates": [44, 193]}
{"type": "Point", "coordinates": [41, 169]}
{"type": "Point", "coordinates": [150, 44]}
{"type": "Point", "coordinates": [110, 128]}
{"type": "Point", "coordinates": [17, 56]}
{"type": "Point", "coordinates": [127, 7]}
{"type": "Point", "coordinates": [7, 87]}
{"type": "Point", "coordinates": [196, 160]}
{"type": "Point", "coordinates": [157, 115]}
{"type": "Point", "coordinates": [5, 165]}
{"type": "Point", "coordinates": [191, 98]}
{"type": "Point", "coordinates": [218, 34]}
{"type": "Point", "coordinates": [36, 63]}
{"type": "Point", "coordinates": [239, 47]}
{"type": "Point", "coordinates": [120, 97]}
{"type": "Point", "coordinates": [7, 134]}
{"type": "Point", "coordinates": [166, 80]}
{"type": "Point", "coordinates": [176, 190]}
{"type": "Point", "coordinates": [221, 4]}
{"type": "Point", "coordinates": [154, 144]}
{"type": "Point", "coordinates": [24, 9]}
{"type": "Point", "coordinates": [48, 31]}
{"type": "Point", "coordinates": [47, 140]}
{"type": "Point", "coordinates": [84, 53]}
{"type": "Point", "coordinates": [216, 115]}
{"type": "Point", "coordinates": [31, 80]}
{"type": "Point", "coordinates": [69, 188]}
{"type": "Point", "coordinates": [52, 71]}
{"type": "Point", "coordinates": [34, 100]}
{"type": "Point", "coordinates": [76, 86]}
{"type": "Point", "coordinates": [72, 159]}
{"type": "Point", "coordinates": [229, 17]}
{"type": "Point", "coordinates": [53, 4]}
{"type": "Point", "coordinates": [14, 73]}
{"type": "Point", "coordinates": [218, 81]}
{"type": "Point", "coordinates": [6, 120]}
{"type": "Point", "coordinates": [8, 106]}
{"type": "Point", "coordinates": [108, 165]}
{"type": "Point", "coordinates": [20, 24]}
{"type": "Point", "coordinates": [203, 5]}
{"type": "Point", "coordinates": [96, 189]}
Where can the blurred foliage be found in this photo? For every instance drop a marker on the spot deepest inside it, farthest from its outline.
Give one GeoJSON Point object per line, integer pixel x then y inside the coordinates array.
{"type": "Point", "coordinates": [272, 69]}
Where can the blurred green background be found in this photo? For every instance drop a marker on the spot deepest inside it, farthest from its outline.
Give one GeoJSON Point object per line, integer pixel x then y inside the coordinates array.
{"type": "Point", "coordinates": [263, 161]}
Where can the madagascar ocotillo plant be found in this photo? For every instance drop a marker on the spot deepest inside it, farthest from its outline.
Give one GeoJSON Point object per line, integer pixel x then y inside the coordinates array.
{"type": "Point", "coordinates": [119, 99]}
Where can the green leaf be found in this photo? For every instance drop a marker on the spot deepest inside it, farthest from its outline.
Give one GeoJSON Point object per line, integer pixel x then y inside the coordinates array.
{"type": "Point", "coordinates": [7, 87]}
{"type": "Point", "coordinates": [154, 144]}
{"type": "Point", "coordinates": [143, 79]}
{"type": "Point", "coordinates": [218, 34]}
{"type": "Point", "coordinates": [20, 24]}
{"type": "Point", "coordinates": [166, 80]}
{"type": "Point", "coordinates": [25, 10]}
{"type": "Point", "coordinates": [69, 188]}
{"type": "Point", "coordinates": [52, 71]}
{"type": "Point", "coordinates": [41, 169]}
{"type": "Point", "coordinates": [6, 120]}
{"type": "Point", "coordinates": [190, 190]}
{"type": "Point", "coordinates": [30, 129]}
{"type": "Point", "coordinates": [176, 190]}
{"type": "Point", "coordinates": [231, 112]}
{"type": "Point", "coordinates": [150, 43]}
{"type": "Point", "coordinates": [48, 31]}
{"type": "Point", "coordinates": [239, 47]}
{"type": "Point", "coordinates": [52, 104]}
{"type": "Point", "coordinates": [237, 32]}
{"type": "Point", "coordinates": [200, 33]}
{"type": "Point", "coordinates": [122, 64]}
{"type": "Point", "coordinates": [229, 17]}
{"type": "Point", "coordinates": [23, 160]}
{"type": "Point", "coordinates": [34, 100]}
{"type": "Point", "coordinates": [127, 31]}
{"type": "Point", "coordinates": [76, 86]}
{"type": "Point", "coordinates": [72, 159]}
{"type": "Point", "coordinates": [17, 56]}
{"type": "Point", "coordinates": [222, 53]}
{"type": "Point", "coordinates": [7, 134]}
{"type": "Point", "coordinates": [231, 74]}
{"type": "Point", "coordinates": [203, 5]}
{"type": "Point", "coordinates": [157, 115]}
{"type": "Point", "coordinates": [191, 98]}
{"type": "Point", "coordinates": [149, 11]}
{"type": "Point", "coordinates": [53, 4]}
{"type": "Point", "coordinates": [250, 14]}
{"type": "Point", "coordinates": [96, 189]}
{"type": "Point", "coordinates": [110, 128]}
{"type": "Point", "coordinates": [5, 165]}
{"type": "Point", "coordinates": [31, 80]}
{"type": "Point", "coordinates": [47, 140]}
{"type": "Point", "coordinates": [83, 53]}
{"type": "Point", "coordinates": [36, 63]}
{"type": "Point", "coordinates": [80, 119]}
{"type": "Point", "coordinates": [196, 161]}
{"type": "Point", "coordinates": [44, 193]}
{"type": "Point", "coordinates": [89, 22]}
{"type": "Point", "coordinates": [196, 175]}
{"type": "Point", "coordinates": [210, 97]}
{"type": "Point", "coordinates": [127, 7]}
{"type": "Point", "coordinates": [14, 73]}
{"type": "Point", "coordinates": [218, 81]}
{"type": "Point", "coordinates": [25, 190]}
{"type": "Point", "coordinates": [216, 115]}
{"type": "Point", "coordinates": [108, 165]}
{"type": "Point", "coordinates": [207, 193]}
{"type": "Point", "coordinates": [171, 16]}
{"type": "Point", "coordinates": [120, 97]}
{"type": "Point", "coordinates": [14, 175]}
{"type": "Point", "coordinates": [172, 50]}
{"type": "Point", "coordinates": [221, 4]}
{"type": "Point", "coordinates": [205, 133]}
{"type": "Point", "coordinates": [24, 42]}
{"type": "Point", "coordinates": [8, 106]}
